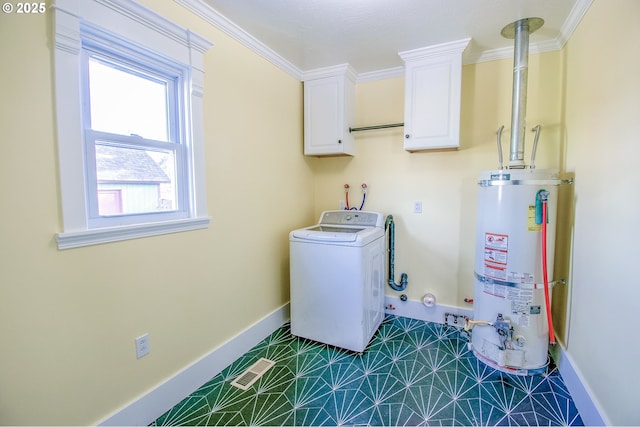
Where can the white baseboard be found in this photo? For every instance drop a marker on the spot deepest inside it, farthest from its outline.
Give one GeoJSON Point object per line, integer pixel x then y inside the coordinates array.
{"type": "Point", "coordinates": [417, 310]}
{"type": "Point", "coordinates": [588, 408]}
{"type": "Point", "coordinates": [150, 406]}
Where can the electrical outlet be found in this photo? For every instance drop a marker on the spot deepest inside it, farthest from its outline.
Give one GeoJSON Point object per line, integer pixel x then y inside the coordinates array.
{"type": "Point", "coordinates": [417, 206]}
{"type": "Point", "coordinates": [142, 346]}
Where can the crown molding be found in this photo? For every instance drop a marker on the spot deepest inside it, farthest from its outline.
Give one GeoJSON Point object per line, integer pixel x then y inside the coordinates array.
{"type": "Point", "coordinates": [335, 70]}
{"type": "Point", "coordinates": [474, 57]}
{"type": "Point", "coordinates": [470, 55]}
{"type": "Point", "coordinates": [570, 24]}
{"type": "Point", "coordinates": [572, 21]}
{"type": "Point", "coordinates": [449, 48]}
{"type": "Point", "coordinates": [215, 18]}
{"type": "Point", "coordinates": [388, 73]}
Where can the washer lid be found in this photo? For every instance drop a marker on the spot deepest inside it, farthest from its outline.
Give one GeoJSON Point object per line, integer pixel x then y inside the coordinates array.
{"type": "Point", "coordinates": [335, 229]}
{"type": "Point", "coordinates": [337, 234]}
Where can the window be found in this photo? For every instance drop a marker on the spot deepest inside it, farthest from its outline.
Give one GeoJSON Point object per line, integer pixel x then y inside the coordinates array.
{"type": "Point", "coordinates": [133, 140]}
{"type": "Point", "coordinates": [129, 108]}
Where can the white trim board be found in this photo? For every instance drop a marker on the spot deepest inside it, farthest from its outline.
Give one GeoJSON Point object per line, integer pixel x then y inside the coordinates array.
{"type": "Point", "coordinates": [588, 407]}
{"type": "Point", "coordinates": [153, 404]}
{"type": "Point", "coordinates": [209, 14]}
{"type": "Point", "coordinates": [150, 406]}
{"type": "Point", "coordinates": [205, 11]}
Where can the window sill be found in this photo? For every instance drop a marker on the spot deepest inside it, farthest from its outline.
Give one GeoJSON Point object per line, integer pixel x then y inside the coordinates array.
{"type": "Point", "coordinates": [78, 239]}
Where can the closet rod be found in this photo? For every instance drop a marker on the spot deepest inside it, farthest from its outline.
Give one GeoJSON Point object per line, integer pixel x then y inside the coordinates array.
{"type": "Point", "coordinates": [393, 125]}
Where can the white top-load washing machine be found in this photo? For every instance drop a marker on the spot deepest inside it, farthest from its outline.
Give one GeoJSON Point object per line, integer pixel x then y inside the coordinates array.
{"type": "Point", "coordinates": [337, 278]}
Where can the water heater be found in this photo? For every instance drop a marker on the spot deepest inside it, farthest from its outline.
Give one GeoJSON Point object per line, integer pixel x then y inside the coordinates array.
{"type": "Point", "coordinates": [510, 325]}
{"type": "Point", "coordinates": [515, 242]}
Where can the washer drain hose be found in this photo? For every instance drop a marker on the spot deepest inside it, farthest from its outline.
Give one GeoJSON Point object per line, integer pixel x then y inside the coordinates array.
{"type": "Point", "coordinates": [389, 226]}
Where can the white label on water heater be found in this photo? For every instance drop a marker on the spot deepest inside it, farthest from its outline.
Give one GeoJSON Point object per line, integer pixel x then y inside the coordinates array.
{"type": "Point", "coordinates": [493, 255]}
{"type": "Point", "coordinates": [523, 320]}
{"type": "Point", "coordinates": [521, 300]}
{"type": "Point", "coordinates": [496, 241]}
{"type": "Point", "coordinates": [496, 271]}
{"type": "Point", "coordinates": [496, 254]}
{"type": "Point", "coordinates": [494, 289]}
{"type": "Point", "coordinates": [523, 278]}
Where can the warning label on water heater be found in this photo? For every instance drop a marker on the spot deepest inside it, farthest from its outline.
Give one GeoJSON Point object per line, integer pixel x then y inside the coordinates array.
{"type": "Point", "coordinates": [496, 251]}
{"type": "Point", "coordinates": [496, 241]}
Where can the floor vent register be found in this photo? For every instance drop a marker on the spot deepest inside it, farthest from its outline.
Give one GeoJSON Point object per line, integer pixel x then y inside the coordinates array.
{"type": "Point", "coordinates": [252, 374]}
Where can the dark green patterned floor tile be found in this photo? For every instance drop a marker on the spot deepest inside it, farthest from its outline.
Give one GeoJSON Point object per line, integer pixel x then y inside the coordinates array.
{"type": "Point", "coordinates": [412, 373]}
{"type": "Point", "coordinates": [223, 395]}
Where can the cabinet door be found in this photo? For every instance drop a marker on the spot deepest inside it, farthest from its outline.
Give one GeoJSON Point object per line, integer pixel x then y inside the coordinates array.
{"type": "Point", "coordinates": [324, 117]}
{"type": "Point", "coordinates": [432, 104]}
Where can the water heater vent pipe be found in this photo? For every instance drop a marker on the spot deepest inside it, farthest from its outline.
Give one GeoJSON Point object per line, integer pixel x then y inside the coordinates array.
{"type": "Point", "coordinates": [519, 31]}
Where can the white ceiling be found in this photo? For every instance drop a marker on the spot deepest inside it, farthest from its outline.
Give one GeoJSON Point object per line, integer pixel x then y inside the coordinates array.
{"type": "Point", "coordinates": [368, 34]}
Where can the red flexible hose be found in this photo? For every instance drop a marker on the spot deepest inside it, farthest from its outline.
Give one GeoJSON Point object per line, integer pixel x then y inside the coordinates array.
{"type": "Point", "coordinates": [547, 299]}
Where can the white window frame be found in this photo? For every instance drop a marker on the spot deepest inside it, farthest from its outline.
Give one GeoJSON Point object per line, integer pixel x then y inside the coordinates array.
{"type": "Point", "coordinates": [94, 45]}
{"type": "Point", "coordinates": [127, 22]}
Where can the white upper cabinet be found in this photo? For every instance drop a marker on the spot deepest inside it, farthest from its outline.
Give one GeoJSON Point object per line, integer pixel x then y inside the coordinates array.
{"type": "Point", "coordinates": [329, 111]}
{"type": "Point", "coordinates": [433, 80]}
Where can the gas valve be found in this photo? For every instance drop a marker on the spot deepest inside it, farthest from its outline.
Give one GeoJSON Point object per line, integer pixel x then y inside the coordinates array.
{"type": "Point", "coordinates": [505, 332]}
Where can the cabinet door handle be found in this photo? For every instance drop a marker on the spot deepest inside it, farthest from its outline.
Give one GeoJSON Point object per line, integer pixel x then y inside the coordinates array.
{"type": "Point", "coordinates": [339, 141]}
{"type": "Point", "coordinates": [407, 136]}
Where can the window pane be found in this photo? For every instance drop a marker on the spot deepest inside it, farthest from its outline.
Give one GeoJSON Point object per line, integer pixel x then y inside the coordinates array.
{"type": "Point", "coordinates": [127, 104]}
{"type": "Point", "coordinates": [134, 181]}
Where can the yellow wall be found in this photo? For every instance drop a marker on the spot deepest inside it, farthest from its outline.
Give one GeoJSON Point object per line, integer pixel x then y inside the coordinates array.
{"type": "Point", "coordinates": [436, 248]}
{"type": "Point", "coordinates": [69, 318]}
{"type": "Point", "coordinates": [602, 116]}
